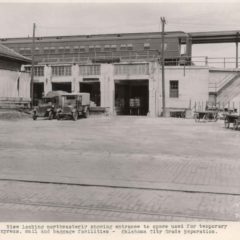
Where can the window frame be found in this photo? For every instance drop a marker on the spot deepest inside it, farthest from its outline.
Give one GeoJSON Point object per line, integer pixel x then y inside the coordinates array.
{"type": "Point", "coordinates": [174, 88]}
{"type": "Point", "coordinates": [61, 70]}
{"type": "Point", "coordinates": [146, 46]}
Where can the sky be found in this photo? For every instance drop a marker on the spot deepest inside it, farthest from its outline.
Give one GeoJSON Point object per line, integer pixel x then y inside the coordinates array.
{"type": "Point", "coordinates": [119, 17]}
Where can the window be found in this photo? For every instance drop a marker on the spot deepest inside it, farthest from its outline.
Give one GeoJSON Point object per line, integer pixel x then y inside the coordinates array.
{"type": "Point", "coordinates": [52, 50]}
{"type": "Point", "coordinates": [131, 69]}
{"type": "Point", "coordinates": [76, 49]}
{"type": "Point", "coordinates": [61, 70]}
{"type": "Point", "coordinates": [123, 47]}
{"type": "Point", "coordinates": [46, 50]}
{"type": "Point", "coordinates": [146, 46]}
{"type": "Point", "coordinates": [174, 89]}
{"type": "Point", "coordinates": [82, 49]}
{"type": "Point", "coordinates": [114, 47]}
{"type": "Point", "coordinates": [36, 51]}
{"type": "Point", "coordinates": [129, 47]}
{"type": "Point", "coordinates": [38, 70]}
{"type": "Point", "coordinates": [27, 51]}
{"type": "Point", "coordinates": [98, 48]}
{"type": "Point", "coordinates": [67, 49]}
{"type": "Point", "coordinates": [89, 70]}
{"type": "Point", "coordinates": [106, 47]}
{"type": "Point", "coordinates": [21, 50]}
{"type": "Point", "coordinates": [61, 49]}
{"type": "Point", "coordinates": [91, 48]}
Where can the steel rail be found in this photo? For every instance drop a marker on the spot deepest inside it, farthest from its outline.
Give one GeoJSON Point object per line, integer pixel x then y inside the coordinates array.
{"type": "Point", "coordinates": [118, 186]}
{"type": "Point", "coordinates": [114, 210]}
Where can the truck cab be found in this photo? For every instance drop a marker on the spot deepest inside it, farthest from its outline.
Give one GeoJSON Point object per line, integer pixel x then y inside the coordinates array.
{"type": "Point", "coordinates": [74, 105]}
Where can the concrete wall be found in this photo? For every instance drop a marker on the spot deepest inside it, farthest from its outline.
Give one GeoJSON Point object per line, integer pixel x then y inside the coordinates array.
{"type": "Point", "coordinates": [193, 86]}
{"type": "Point", "coordinates": [193, 83]}
{"type": "Point", "coordinates": [14, 84]}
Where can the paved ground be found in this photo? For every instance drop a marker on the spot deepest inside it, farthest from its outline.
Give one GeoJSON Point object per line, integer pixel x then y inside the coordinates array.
{"type": "Point", "coordinates": [161, 169]}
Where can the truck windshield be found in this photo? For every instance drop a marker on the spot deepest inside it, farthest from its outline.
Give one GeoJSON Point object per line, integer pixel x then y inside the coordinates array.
{"type": "Point", "coordinates": [49, 100]}
{"type": "Point", "coordinates": [70, 100]}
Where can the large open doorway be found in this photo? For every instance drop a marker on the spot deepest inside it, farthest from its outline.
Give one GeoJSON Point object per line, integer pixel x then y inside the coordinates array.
{"type": "Point", "coordinates": [93, 88]}
{"type": "Point", "coordinates": [64, 86]}
{"type": "Point", "coordinates": [131, 97]}
{"type": "Point", "coordinates": [38, 91]}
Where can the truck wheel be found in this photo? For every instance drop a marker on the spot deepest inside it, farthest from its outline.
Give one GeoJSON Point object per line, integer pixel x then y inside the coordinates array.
{"type": "Point", "coordinates": [75, 116]}
{"type": "Point", "coordinates": [86, 113]}
{"type": "Point", "coordinates": [57, 116]}
{"type": "Point", "coordinates": [196, 117]}
{"type": "Point", "coordinates": [50, 115]}
{"type": "Point", "coordinates": [226, 123]}
{"type": "Point", "coordinates": [235, 125]}
{"type": "Point", "coordinates": [34, 117]}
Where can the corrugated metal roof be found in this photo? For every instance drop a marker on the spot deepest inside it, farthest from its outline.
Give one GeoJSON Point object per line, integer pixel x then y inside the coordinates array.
{"type": "Point", "coordinates": [9, 53]}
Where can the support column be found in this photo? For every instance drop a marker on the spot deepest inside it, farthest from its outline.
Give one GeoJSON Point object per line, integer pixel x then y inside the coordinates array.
{"type": "Point", "coordinates": [75, 80]}
{"type": "Point", "coordinates": [107, 87]}
{"type": "Point", "coordinates": [47, 79]}
{"type": "Point", "coordinates": [237, 37]}
{"type": "Point", "coordinates": [236, 54]}
{"type": "Point", "coordinates": [189, 49]}
{"type": "Point", "coordinates": [154, 91]}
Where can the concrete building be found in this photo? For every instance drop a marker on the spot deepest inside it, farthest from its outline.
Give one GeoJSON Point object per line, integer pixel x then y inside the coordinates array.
{"type": "Point", "coordinates": [14, 84]}
{"type": "Point", "coordinates": [114, 86]}
{"type": "Point", "coordinates": [121, 71]}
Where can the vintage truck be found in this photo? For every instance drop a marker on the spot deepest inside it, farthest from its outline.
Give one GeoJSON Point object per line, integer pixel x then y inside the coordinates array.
{"type": "Point", "coordinates": [48, 105]}
{"type": "Point", "coordinates": [74, 105]}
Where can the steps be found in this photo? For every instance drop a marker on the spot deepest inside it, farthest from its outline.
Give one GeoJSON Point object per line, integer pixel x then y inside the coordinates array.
{"type": "Point", "coordinates": [230, 90]}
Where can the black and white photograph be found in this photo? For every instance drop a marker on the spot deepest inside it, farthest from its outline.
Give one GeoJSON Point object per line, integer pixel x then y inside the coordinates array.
{"type": "Point", "coordinates": [120, 112]}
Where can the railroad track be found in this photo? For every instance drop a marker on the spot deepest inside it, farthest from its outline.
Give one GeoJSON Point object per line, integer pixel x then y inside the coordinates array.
{"type": "Point", "coordinates": [105, 205]}
{"type": "Point", "coordinates": [125, 212]}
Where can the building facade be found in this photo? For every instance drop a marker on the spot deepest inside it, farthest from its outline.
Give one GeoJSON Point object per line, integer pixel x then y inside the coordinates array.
{"type": "Point", "coordinates": [114, 86]}
{"type": "Point", "coordinates": [122, 71]}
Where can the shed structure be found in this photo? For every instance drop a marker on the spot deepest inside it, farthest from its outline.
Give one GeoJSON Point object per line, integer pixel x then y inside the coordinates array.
{"type": "Point", "coordinates": [14, 83]}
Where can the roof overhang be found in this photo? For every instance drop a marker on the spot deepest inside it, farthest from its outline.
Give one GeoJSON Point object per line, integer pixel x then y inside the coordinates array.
{"type": "Point", "coordinates": [214, 37]}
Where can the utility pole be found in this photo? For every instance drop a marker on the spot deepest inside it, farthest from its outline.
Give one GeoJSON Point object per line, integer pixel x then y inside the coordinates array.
{"type": "Point", "coordinates": [237, 49]}
{"type": "Point", "coordinates": [163, 70]}
{"type": "Point", "coordinates": [32, 69]}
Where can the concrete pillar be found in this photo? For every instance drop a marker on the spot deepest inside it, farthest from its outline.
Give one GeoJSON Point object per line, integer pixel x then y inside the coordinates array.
{"type": "Point", "coordinates": [75, 78]}
{"type": "Point", "coordinates": [80, 79]}
{"type": "Point", "coordinates": [189, 49]}
{"type": "Point", "coordinates": [154, 89]}
{"type": "Point", "coordinates": [236, 54]}
{"type": "Point", "coordinates": [107, 87]}
{"type": "Point", "coordinates": [47, 79]}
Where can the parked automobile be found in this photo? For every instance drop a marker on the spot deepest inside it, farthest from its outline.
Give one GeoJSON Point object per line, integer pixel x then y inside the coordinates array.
{"type": "Point", "coordinates": [48, 105]}
{"type": "Point", "coordinates": [74, 105]}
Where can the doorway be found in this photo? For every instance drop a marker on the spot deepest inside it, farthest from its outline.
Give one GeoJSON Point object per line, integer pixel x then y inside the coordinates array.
{"type": "Point", "coordinates": [64, 86]}
{"type": "Point", "coordinates": [38, 91]}
{"type": "Point", "coordinates": [131, 97]}
{"type": "Point", "coordinates": [94, 89]}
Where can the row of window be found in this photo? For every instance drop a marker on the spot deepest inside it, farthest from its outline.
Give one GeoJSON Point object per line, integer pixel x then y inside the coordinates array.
{"type": "Point", "coordinates": [61, 70]}
{"type": "Point", "coordinates": [66, 70]}
{"type": "Point", "coordinates": [38, 70]}
{"type": "Point", "coordinates": [77, 49]}
{"type": "Point", "coordinates": [95, 70]}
